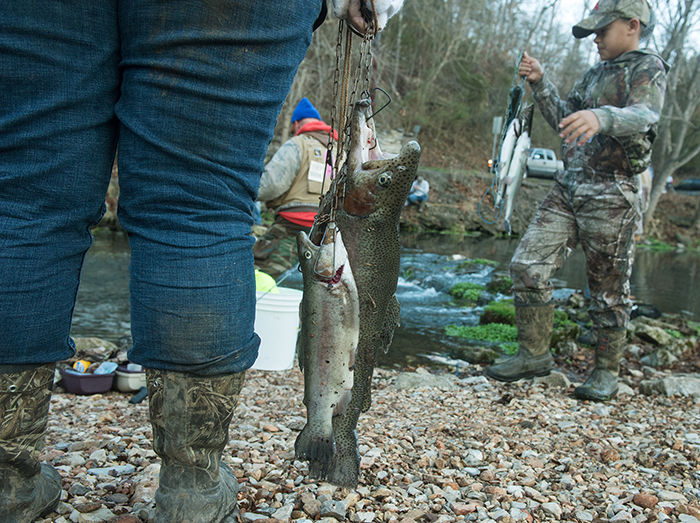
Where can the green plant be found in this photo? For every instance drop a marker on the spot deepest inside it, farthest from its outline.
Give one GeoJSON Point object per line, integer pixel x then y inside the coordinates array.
{"type": "Point", "coordinates": [506, 336]}
{"type": "Point", "coordinates": [499, 312]}
{"type": "Point", "coordinates": [655, 245]}
{"type": "Point", "coordinates": [467, 291]}
{"type": "Point", "coordinates": [561, 319]}
{"type": "Point", "coordinates": [696, 326]}
{"type": "Point", "coordinates": [408, 274]}
{"type": "Point", "coordinates": [674, 333]}
{"type": "Point", "coordinates": [477, 261]}
{"type": "Point", "coordinates": [500, 284]}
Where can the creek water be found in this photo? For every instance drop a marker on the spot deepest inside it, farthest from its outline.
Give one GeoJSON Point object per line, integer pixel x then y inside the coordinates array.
{"type": "Point", "coordinates": [429, 268]}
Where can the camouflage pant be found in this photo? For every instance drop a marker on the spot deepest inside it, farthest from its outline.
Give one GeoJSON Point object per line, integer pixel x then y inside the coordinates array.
{"type": "Point", "coordinates": [276, 250]}
{"type": "Point", "coordinates": [600, 213]}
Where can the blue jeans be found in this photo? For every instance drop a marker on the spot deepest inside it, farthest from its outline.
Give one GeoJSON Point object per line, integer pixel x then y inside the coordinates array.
{"type": "Point", "coordinates": [417, 198]}
{"type": "Point", "coordinates": [191, 92]}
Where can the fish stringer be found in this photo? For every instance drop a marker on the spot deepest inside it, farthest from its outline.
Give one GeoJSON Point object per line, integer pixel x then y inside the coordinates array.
{"type": "Point", "coordinates": [515, 99]}
{"type": "Point", "coordinates": [347, 81]}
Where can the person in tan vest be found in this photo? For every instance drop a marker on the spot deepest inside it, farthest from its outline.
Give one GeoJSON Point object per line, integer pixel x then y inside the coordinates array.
{"type": "Point", "coordinates": [291, 184]}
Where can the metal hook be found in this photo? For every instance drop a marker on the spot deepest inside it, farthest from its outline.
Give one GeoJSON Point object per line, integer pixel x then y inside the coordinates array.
{"type": "Point", "coordinates": [326, 240]}
{"type": "Point", "coordinates": [383, 106]}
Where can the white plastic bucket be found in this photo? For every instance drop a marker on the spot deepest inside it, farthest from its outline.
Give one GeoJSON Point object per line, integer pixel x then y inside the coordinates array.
{"type": "Point", "coordinates": [277, 324]}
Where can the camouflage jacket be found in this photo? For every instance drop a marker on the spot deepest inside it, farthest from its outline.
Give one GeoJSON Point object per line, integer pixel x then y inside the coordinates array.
{"type": "Point", "coordinates": [627, 95]}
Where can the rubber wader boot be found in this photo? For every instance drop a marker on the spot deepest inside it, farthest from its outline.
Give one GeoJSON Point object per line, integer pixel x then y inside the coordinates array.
{"type": "Point", "coordinates": [533, 358]}
{"type": "Point", "coordinates": [190, 416]}
{"type": "Point", "coordinates": [28, 489]}
{"type": "Point", "coordinates": [601, 385]}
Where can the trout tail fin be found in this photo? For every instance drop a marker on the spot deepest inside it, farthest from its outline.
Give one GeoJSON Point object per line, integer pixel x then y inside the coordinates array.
{"type": "Point", "coordinates": [316, 447]}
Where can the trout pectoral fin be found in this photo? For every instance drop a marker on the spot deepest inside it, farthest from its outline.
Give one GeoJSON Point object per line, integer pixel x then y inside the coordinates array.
{"type": "Point", "coordinates": [342, 404]}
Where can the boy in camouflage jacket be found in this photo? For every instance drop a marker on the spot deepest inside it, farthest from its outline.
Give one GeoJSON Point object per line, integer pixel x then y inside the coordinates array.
{"type": "Point", "coordinates": [608, 125]}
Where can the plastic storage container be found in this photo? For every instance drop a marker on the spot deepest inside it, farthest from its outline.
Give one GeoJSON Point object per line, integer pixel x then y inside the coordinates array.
{"type": "Point", "coordinates": [79, 383]}
{"type": "Point", "coordinates": [129, 381]}
{"type": "Point", "coordinates": [277, 324]}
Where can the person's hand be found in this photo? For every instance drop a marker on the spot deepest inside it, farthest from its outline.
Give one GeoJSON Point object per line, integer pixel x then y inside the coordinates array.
{"type": "Point", "coordinates": [349, 10]}
{"type": "Point", "coordinates": [581, 126]}
{"type": "Point", "coordinates": [358, 12]}
{"type": "Point", "coordinates": [531, 69]}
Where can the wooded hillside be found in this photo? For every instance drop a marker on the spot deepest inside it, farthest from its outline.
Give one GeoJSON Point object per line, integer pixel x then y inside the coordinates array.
{"type": "Point", "coordinates": [449, 64]}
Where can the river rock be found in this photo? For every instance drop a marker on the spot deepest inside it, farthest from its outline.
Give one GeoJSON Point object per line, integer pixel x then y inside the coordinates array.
{"type": "Point", "coordinates": [99, 515]}
{"type": "Point", "coordinates": [114, 470]}
{"type": "Point", "coordinates": [625, 390]}
{"type": "Point", "coordinates": [333, 509]}
{"type": "Point", "coordinates": [422, 378]}
{"type": "Point", "coordinates": [284, 513]}
{"type": "Point", "coordinates": [252, 516]}
{"type": "Point", "coordinates": [553, 509]}
{"type": "Point", "coordinates": [645, 500]}
{"type": "Point", "coordinates": [679, 384]}
{"type": "Point", "coordinates": [146, 484]}
{"type": "Point", "coordinates": [659, 358]}
{"type": "Point", "coordinates": [476, 353]}
{"type": "Point", "coordinates": [473, 443]}
{"type": "Point", "coordinates": [311, 506]}
{"type": "Point", "coordinates": [554, 379]}
{"type": "Point", "coordinates": [653, 334]}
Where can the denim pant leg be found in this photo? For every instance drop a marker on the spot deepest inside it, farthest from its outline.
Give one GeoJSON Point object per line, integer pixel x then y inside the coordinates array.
{"type": "Point", "coordinates": [549, 239]}
{"type": "Point", "coordinates": [203, 84]}
{"type": "Point", "coordinates": [58, 86]}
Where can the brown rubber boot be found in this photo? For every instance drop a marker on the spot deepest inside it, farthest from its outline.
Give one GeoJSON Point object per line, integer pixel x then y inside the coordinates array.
{"type": "Point", "coordinates": [190, 416]}
{"type": "Point", "coordinates": [28, 489]}
{"type": "Point", "coordinates": [601, 385]}
{"type": "Point", "coordinates": [533, 357]}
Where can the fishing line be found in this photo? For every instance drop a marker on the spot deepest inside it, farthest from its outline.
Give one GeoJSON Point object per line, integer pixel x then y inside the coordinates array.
{"type": "Point", "coordinates": [278, 282]}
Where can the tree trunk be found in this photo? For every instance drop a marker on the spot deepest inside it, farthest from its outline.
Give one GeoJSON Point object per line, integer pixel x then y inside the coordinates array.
{"type": "Point", "coordinates": [657, 189]}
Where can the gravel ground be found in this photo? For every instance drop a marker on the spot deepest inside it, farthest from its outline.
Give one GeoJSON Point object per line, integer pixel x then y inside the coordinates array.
{"type": "Point", "coordinates": [435, 446]}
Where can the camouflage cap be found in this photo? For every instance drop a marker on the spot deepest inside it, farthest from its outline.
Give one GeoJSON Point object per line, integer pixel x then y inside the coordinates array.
{"type": "Point", "coordinates": [607, 11]}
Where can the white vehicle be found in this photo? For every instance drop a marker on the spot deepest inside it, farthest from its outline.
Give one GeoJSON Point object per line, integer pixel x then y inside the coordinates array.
{"type": "Point", "coordinates": [543, 163]}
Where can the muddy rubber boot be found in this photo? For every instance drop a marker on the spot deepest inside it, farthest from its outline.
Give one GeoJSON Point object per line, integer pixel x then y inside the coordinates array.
{"type": "Point", "coordinates": [533, 357]}
{"type": "Point", "coordinates": [28, 489]}
{"type": "Point", "coordinates": [601, 385]}
{"type": "Point", "coordinates": [190, 416]}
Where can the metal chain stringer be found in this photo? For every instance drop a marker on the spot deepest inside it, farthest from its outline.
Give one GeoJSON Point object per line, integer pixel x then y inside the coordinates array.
{"type": "Point", "coordinates": [341, 97]}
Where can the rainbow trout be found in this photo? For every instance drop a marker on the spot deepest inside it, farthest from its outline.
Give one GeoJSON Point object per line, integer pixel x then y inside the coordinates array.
{"type": "Point", "coordinates": [516, 166]}
{"type": "Point", "coordinates": [370, 195]}
{"type": "Point", "coordinates": [327, 343]}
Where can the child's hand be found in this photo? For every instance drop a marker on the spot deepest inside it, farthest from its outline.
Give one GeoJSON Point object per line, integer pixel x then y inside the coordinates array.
{"type": "Point", "coordinates": [531, 69]}
{"type": "Point", "coordinates": [581, 126]}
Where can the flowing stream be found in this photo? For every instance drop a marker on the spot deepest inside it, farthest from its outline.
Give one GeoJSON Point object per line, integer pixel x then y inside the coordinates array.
{"type": "Point", "coordinates": [428, 270]}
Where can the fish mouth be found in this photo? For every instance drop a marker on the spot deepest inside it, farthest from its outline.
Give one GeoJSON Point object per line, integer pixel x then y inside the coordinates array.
{"type": "Point", "coordinates": [334, 280]}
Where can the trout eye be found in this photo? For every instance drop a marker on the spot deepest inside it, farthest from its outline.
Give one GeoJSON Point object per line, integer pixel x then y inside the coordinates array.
{"type": "Point", "coordinates": [307, 255]}
{"type": "Point", "coordinates": [384, 179]}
